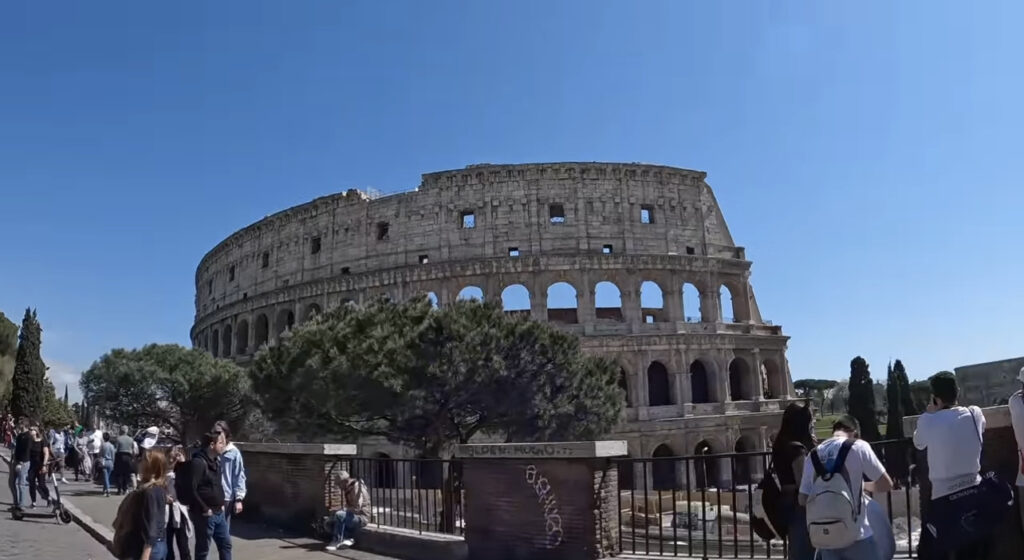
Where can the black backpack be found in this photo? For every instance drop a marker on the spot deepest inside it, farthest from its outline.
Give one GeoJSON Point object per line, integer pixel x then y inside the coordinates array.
{"type": "Point", "coordinates": [771, 522]}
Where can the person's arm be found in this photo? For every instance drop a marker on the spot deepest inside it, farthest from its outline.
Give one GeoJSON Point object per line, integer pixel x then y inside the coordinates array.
{"type": "Point", "coordinates": [873, 469]}
{"type": "Point", "coordinates": [46, 456]}
{"type": "Point", "coordinates": [198, 469]}
{"type": "Point", "coordinates": [921, 433]}
{"type": "Point", "coordinates": [151, 525]}
{"type": "Point", "coordinates": [239, 479]}
{"type": "Point", "coordinates": [806, 478]}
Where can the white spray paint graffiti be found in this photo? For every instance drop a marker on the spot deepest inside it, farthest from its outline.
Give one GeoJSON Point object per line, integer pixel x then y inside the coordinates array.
{"type": "Point", "coordinates": [552, 521]}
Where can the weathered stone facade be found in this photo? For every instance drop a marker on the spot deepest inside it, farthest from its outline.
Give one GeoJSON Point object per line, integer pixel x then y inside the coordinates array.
{"type": "Point", "coordinates": [694, 378]}
{"type": "Point", "coordinates": [989, 384]}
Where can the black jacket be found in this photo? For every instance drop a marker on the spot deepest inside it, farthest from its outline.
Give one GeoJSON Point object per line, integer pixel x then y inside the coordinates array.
{"type": "Point", "coordinates": [205, 482]}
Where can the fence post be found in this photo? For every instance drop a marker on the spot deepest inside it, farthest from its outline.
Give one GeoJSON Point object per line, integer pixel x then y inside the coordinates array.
{"type": "Point", "coordinates": [541, 500]}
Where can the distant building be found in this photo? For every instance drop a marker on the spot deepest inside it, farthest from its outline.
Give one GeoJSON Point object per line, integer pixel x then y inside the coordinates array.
{"type": "Point", "coordinates": [990, 383]}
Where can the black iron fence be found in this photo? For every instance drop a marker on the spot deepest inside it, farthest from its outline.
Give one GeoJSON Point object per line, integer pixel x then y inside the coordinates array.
{"type": "Point", "coordinates": [699, 506]}
{"type": "Point", "coordinates": [423, 495]}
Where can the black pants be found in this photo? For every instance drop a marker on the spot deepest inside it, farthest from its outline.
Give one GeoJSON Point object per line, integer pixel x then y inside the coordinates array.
{"type": "Point", "coordinates": [37, 483]}
{"type": "Point", "coordinates": [123, 471]}
{"type": "Point", "coordinates": [177, 538]}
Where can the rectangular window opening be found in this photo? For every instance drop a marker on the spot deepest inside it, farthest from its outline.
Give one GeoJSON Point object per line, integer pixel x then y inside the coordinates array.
{"type": "Point", "coordinates": [607, 249]}
{"type": "Point", "coordinates": [649, 319]}
{"type": "Point", "coordinates": [383, 229]}
{"type": "Point", "coordinates": [646, 214]}
{"type": "Point", "coordinates": [346, 270]}
{"type": "Point", "coordinates": [314, 246]}
{"type": "Point", "coordinates": [468, 219]}
{"type": "Point", "coordinates": [513, 251]}
{"type": "Point", "coordinates": [424, 259]}
{"type": "Point", "coordinates": [209, 286]}
{"type": "Point", "coordinates": [557, 213]}
{"type": "Point", "coordinates": [691, 251]}
{"type": "Point", "coordinates": [231, 273]}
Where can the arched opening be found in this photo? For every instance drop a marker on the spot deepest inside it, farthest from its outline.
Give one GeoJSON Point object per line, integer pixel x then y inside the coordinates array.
{"type": "Point", "coordinates": [725, 310]}
{"type": "Point", "coordinates": [691, 304]}
{"type": "Point", "coordinates": [700, 388]}
{"type": "Point", "coordinates": [262, 330]}
{"type": "Point", "coordinates": [433, 299]}
{"type": "Point", "coordinates": [744, 466]}
{"type": "Point", "coordinates": [312, 310]}
{"type": "Point", "coordinates": [658, 393]}
{"type": "Point", "coordinates": [471, 293]}
{"type": "Point", "coordinates": [384, 470]}
{"type": "Point", "coordinates": [561, 303]}
{"type": "Point", "coordinates": [773, 380]}
{"type": "Point", "coordinates": [515, 300]}
{"type": "Point", "coordinates": [242, 337]}
{"type": "Point", "coordinates": [226, 343]}
{"type": "Point", "coordinates": [285, 320]}
{"type": "Point", "coordinates": [624, 384]}
{"type": "Point", "coordinates": [216, 344]}
{"type": "Point", "coordinates": [607, 302]}
{"type": "Point", "coordinates": [626, 473]}
{"type": "Point", "coordinates": [663, 468]}
{"type": "Point", "coordinates": [429, 473]}
{"type": "Point", "coordinates": [704, 470]}
{"type": "Point", "coordinates": [740, 382]}
{"type": "Point", "coordinates": [652, 302]}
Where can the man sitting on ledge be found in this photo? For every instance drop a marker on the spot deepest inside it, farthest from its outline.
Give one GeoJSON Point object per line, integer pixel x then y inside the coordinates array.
{"type": "Point", "coordinates": [354, 513]}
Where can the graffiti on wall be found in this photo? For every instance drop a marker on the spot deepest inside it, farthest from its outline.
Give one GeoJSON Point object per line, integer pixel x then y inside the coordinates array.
{"type": "Point", "coordinates": [546, 497]}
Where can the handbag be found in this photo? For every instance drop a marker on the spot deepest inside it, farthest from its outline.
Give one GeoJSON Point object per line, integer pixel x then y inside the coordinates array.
{"type": "Point", "coordinates": [971, 514]}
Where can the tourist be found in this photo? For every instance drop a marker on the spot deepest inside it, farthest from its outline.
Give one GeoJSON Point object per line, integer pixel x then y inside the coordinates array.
{"type": "Point", "coordinates": [153, 485]}
{"type": "Point", "coordinates": [952, 436]}
{"type": "Point", "coordinates": [39, 460]}
{"type": "Point", "coordinates": [789, 450]}
{"type": "Point", "coordinates": [839, 528]}
{"type": "Point", "coordinates": [107, 454]}
{"type": "Point", "coordinates": [82, 450]}
{"type": "Point", "coordinates": [95, 445]}
{"type": "Point", "coordinates": [206, 500]}
{"type": "Point", "coordinates": [124, 463]}
{"type": "Point", "coordinates": [58, 446]}
{"type": "Point", "coordinates": [1017, 420]}
{"type": "Point", "coordinates": [233, 474]}
{"type": "Point", "coordinates": [179, 526]}
{"type": "Point", "coordinates": [354, 513]}
{"type": "Point", "coordinates": [20, 462]}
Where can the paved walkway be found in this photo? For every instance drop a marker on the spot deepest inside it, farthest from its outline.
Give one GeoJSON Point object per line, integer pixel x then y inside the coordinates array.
{"type": "Point", "coordinates": [250, 541]}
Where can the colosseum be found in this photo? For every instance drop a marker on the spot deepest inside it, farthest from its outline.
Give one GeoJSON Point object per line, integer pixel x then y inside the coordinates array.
{"type": "Point", "coordinates": [635, 259]}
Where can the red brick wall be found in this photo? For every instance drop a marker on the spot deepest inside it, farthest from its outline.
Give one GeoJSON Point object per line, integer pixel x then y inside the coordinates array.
{"type": "Point", "coordinates": [289, 490]}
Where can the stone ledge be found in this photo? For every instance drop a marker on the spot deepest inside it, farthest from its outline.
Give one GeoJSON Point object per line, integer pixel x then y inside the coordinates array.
{"type": "Point", "coordinates": [410, 544]}
{"type": "Point", "coordinates": [554, 450]}
{"type": "Point", "coordinates": [299, 448]}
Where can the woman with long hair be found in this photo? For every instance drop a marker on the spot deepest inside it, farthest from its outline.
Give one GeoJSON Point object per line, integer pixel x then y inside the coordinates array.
{"type": "Point", "coordinates": [153, 485]}
{"type": "Point", "coordinates": [791, 446]}
{"type": "Point", "coordinates": [179, 527]}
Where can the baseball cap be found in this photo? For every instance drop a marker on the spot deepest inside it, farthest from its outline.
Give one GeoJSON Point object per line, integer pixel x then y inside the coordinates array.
{"type": "Point", "coordinates": [149, 437]}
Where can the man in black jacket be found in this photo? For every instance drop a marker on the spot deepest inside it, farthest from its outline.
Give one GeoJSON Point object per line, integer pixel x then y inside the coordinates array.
{"type": "Point", "coordinates": [19, 464]}
{"type": "Point", "coordinates": [206, 503]}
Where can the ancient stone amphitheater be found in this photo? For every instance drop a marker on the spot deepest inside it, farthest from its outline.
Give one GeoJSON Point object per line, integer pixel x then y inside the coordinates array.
{"type": "Point", "coordinates": [636, 259]}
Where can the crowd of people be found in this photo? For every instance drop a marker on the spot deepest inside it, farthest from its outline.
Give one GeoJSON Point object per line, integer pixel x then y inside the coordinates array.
{"type": "Point", "coordinates": [826, 509]}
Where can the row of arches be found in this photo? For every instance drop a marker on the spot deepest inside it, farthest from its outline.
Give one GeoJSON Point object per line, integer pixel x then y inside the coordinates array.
{"type": "Point", "coordinates": [742, 386]}
{"type": "Point", "coordinates": [668, 470]}
{"type": "Point", "coordinates": [228, 340]}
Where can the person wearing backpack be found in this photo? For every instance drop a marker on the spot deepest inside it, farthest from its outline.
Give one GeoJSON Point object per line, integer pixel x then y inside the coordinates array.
{"type": "Point", "coordinates": [789, 450]}
{"type": "Point", "coordinates": [832, 490]}
{"type": "Point", "coordinates": [140, 527]}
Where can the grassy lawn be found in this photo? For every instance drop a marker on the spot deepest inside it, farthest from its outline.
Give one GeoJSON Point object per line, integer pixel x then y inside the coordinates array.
{"type": "Point", "coordinates": [823, 426]}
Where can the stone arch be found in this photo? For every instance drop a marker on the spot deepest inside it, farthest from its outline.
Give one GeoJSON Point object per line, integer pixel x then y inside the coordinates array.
{"type": "Point", "coordinates": [659, 391]}
{"type": "Point", "coordinates": [515, 299]}
{"type": "Point", "coordinates": [562, 303]}
{"type": "Point", "coordinates": [384, 470]}
{"type": "Point", "coordinates": [705, 470]}
{"type": "Point", "coordinates": [215, 350]}
{"type": "Point", "coordinates": [701, 387]}
{"type": "Point", "coordinates": [242, 338]}
{"type": "Point", "coordinates": [433, 299]}
{"type": "Point", "coordinates": [773, 379]}
{"type": "Point", "coordinates": [285, 320]}
{"type": "Point", "coordinates": [312, 310]}
{"type": "Point", "coordinates": [471, 293]}
{"type": "Point", "coordinates": [262, 330]}
{"type": "Point", "coordinates": [226, 342]}
{"type": "Point", "coordinates": [608, 301]}
{"type": "Point", "coordinates": [726, 308]}
{"type": "Point", "coordinates": [652, 302]}
{"type": "Point", "coordinates": [692, 309]}
{"type": "Point", "coordinates": [741, 387]}
{"type": "Point", "coordinates": [624, 383]}
{"type": "Point", "coordinates": [743, 467]}
{"type": "Point", "coordinates": [663, 468]}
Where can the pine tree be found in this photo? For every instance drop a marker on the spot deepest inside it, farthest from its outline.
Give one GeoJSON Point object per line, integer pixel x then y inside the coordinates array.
{"type": "Point", "coordinates": [862, 399]}
{"type": "Point", "coordinates": [28, 396]}
{"type": "Point", "coordinates": [906, 398]}
{"type": "Point", "coordinates": [895, 398]}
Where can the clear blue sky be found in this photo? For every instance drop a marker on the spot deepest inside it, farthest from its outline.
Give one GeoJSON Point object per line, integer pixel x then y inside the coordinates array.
{"type": "Point", "coordinates": [869, 159]}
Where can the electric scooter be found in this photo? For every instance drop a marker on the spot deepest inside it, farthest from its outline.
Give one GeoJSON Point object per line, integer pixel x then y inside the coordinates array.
{"type": "Point", "coordinates": [57, 511]}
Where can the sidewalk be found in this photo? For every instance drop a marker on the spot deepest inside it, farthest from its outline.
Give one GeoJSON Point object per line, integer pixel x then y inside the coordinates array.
{"type": "Point", "coordinates": [250, 541]}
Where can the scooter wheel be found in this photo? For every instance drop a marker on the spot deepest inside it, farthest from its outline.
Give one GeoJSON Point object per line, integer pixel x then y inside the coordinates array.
{"type": "Point", "coordinates": [64, 516]}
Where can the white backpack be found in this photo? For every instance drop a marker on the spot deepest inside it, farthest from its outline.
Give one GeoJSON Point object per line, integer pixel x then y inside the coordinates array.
{"type": "Point", "coordinates": [832, 509]}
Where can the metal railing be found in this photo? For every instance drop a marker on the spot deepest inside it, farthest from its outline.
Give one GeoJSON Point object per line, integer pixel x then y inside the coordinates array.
{"type": "Point", "coordinates": [424, 495]}
{"type": "Point", "coordinates": [699, 506]}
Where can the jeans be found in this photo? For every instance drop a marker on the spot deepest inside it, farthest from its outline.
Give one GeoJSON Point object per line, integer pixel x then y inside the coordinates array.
{"type": "Point", "coordinates": [799, 541]}
{"type": "Point", "coordinates": [347, 521]}
{"type": "Point", "coordinates": [214, 527]}
{"type": "Point", "coordinates": [37, 483]}
{"type": "Point", "coordinates": [108, 466]}
{"type": "Point", "coordinates": [18, 480]}
{"type": "Point", "coordinates": [864, 549]}
{"type": "Point", "coordinates": [159, 550]}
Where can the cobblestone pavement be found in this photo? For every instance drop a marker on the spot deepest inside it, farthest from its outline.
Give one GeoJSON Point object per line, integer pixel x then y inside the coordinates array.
{"type": "Point", "coordinates": [42, 538]}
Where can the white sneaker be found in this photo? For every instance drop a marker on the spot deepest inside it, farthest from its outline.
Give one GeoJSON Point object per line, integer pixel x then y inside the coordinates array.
{"type": "Point", "coordinates": [348, 543]}
{"type": "Point", "coordinates": [63, 480]}
{"type": "Point", "coordinates": [334, 545]}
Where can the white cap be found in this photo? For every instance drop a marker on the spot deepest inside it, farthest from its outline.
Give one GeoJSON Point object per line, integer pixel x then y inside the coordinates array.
{"type": "Point", "coordinates": [1020, 376]}
{"type": "Point", "coordinates": [149, 440]}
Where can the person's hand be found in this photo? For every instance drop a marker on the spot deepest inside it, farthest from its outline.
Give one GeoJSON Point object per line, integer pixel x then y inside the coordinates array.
{"type": "Point", "coordinates": [208, 513]}
{"type": "Point", "coordinates": [238, 507]}
{"type": "Point", "coordinates": [931, 407]}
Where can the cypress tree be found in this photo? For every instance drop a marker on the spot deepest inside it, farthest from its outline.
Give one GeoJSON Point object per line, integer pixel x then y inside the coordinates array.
{"type": "Point", "coordinates": [862, 399]}
{"type": "Point", "coordinates": [66, 394]}
{"type": "Point", "coordinates": [906, 398]}
{"type": "Point", "coordinates": [895, 399]}
{"type": "Point", "coordinates": [27, 394]}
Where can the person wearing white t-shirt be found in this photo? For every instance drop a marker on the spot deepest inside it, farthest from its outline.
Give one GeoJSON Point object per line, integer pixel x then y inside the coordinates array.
{"type": "Point", "coordinates": [861, 464]}
{"type": "Point", "coordinates": [951, 434]}
{"type": "Point", "coordinates": [1016, 405]}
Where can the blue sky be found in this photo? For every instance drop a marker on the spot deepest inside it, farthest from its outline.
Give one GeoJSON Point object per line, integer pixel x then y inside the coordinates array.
{"type": "Point", "coordinates": [868, 156]}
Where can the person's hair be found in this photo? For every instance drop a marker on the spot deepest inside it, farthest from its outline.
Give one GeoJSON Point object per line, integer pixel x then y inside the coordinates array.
{"type": "Point", "coordinates": [224, 429]}
{"type": "Point", "coordinates": [211, 437]}
{"type": "Point", "coordinates": [173, 458]}
{"type": "Point", "coordinates": [154, 468]}
{"type": "Point", "coordinates": [106, 436]}
{"type": "Point", "coordinates": [846, 423]}
{"type": "Point", "coordinates": [944, 386]}
{"type": "Point", "coordinates": [123, 430]}
{"type": "Point", "coordinates": [796, 427]}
